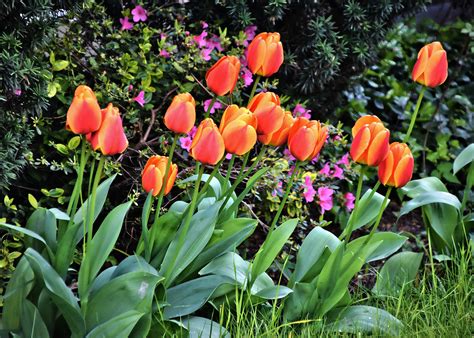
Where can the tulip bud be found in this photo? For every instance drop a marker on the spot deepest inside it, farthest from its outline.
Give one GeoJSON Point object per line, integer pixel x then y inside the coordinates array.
{"type": "Point", "coordinates": [181, 114]}
{"type": "Point", "coordinates": [266, 107]}
{"type": "Point", "coordinates": [153, 175]}
{"type": "Point", "coordinates": [431, 67]}
{"type": "Point", "coordinates": [265, 54]}
{"type": "Point", "coordinates": [110, 138]}
{"type": "Point", "coordinates": [222, 77]}
{"type": "Point", "coordinates": [83, 115]}
{"type": "Point", "coordinates": [306, 138]}
{"type": "Point", "coordinates": [396, 170]}
{"type": "Point", "coordinates": [279, 137]}
{"type": "Point", "coordinates": [370, 144]}
{"type": "Point", "coordinates": [208, 145]}
{"type": "Point", "coordinates": [238, 129]}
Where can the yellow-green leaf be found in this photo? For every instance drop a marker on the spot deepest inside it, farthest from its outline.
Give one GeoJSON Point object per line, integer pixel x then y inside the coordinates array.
{"type": "Point", "coordinates": [33, 201]}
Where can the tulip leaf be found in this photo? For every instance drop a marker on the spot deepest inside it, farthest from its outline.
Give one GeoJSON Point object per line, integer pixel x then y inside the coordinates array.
{"type": "Point", "coordinates": [368, 209]}
{"type": "Point", "coordinates": [274, 292]}
{"type": "Point", "coordinates": [29, 233]}
{"type": "Point", "coordinates": [464, 158]}
{"type": "Point", "coordinates": [42, 222]}
{"type": "Point", "coordinates": [229, 265]}
{"type": "Point", "coordinates": [426, 184]}
{"type": "Point", "coordinates": [162, 233]}
{"type": "Point", "coordinates": [31, 322]}
{"type": "Point", "coordinates": [391, 242]}
{"type": "Point", "coordinates": [145, 232]}
{"type": "Point", "coordinates": [214, 184]}
{"type": "Point", "coordinates": [117, 327]}
{"type": "Point", "coordinates": [203, 327]}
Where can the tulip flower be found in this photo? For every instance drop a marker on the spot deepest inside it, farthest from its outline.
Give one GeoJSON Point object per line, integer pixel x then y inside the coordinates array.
{"type": "Point", "coordinates": [396, 170]}
{"type": "Point", "coordinates": [208, 145]}
{"type": "Point", "coordinates": [181, 114]}
{"type": "Point", "coordinates": [222, 77]}
{"type": "Point", "coordinates": [370, 145]}
{"type": "Point", "coordinates": [266, 107]}
{"type": "Point", "coordinates": [153, 175]}
{"type": "Point", "coordinates": [431, 67]}
{"type": "Point", "coordinates": [280, 136]}
{"type": "Point", "coordinates": [265, 54]}
{"type": "Point", "coordinates": [110, 138]}
{"type": "Point", "coordinates": [238, 129]}
{"type": "Point", "coordinates": [306, 138]}
{"type": "Point", "coordinates": [83, 115]}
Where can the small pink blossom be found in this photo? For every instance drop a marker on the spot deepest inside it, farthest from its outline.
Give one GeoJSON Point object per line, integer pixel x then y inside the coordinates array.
{"type": "Point", "coordinates": [17, 91]}
{"type": "Point", "coordinates": [300, 111]}
{"type": "Point", "coordinates": [185, 142]}
{"type": "Point", "coordinates": [204, 24]}
{"type": "Point", "coordinates": [201, 39]}
{"type": "Point", "coordinates": [325, 199]}
{"type": "Point", "coordinates": [216, 105]}
{"type": "Point", "coordinates": [228, 156]}
{"type": "Point", "coordinates": [278, 190]}
{"type": "Point", "coordinates": [192, 132]}
{"type": "Point", "coordinates": [126, 25]}
{"type": "Point", "coordinates": [164, 53]}
{"type": "Point", "coordinates": [215, 42]}
{"type": "Point", "coordinates": [130, 87]}
{"type": "Point", "coordinates": [288, 155]}
{"type": "Point", "coordinates": [163, 36]}
{"type": "Point", "coordinates": [247, 76]}
{"type": "Point", "coordinates": [344, 160]}
{"type": "Point", "coordinates": [139, 14]}
{"type": "Point", "coordinates": [338, 172]}
{"type": "Point", "coordinates": [206, 54]}
{"type": "Point", "coordinates": [349, 201]}
{"type": "Point", "coordinates": [336, 138]}
{"type": "Point", "coordinates": [326, 170]}
{"type": "Point", "coordinates": [309, 191]}
{"type": "Point", "coordinates": [140, 98]}
{"type": "Point", "coordinates": [315, 159]}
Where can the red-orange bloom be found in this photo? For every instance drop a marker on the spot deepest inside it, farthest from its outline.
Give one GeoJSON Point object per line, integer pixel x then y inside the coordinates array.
{"type": "Point", "coordinates": [306, 138]}
{"type": "Point", "coordinates": [396, 170]}
{"type": "Point", "coordinates": [83, 115]}
{"type": "Point", "coordinates": [181, 114]}
{"type": "Point", "coordinates": [208, 145]}
{"type": "Point", "coordinates": [222, 77]}
{"type": "Point", "coordinates": [279, 137]}
{"type": "Point", "coordinates": [110, 138]}
{"type": "Point", "coordinates": [265, 54]}
{"type": "Point", "coordinates": [431, 67]}
{"type": "Point", "coordinates": [266, 107]}
{"type": "Point", "coordinates": [370, 144]}
{"type": "Point", "coordinates": [153, 175]}
{"type": "Point", "coordinates": [238, 129]}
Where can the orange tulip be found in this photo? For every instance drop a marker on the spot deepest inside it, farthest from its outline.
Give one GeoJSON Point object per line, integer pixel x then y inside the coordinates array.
{"type": "Point", "coordinates": [306, 138]}
{"type": "Point", "coordinates": [265, 54]}
{"type": "Point", "coordinates": [279, 137]}
{"type": "Point", "coordinates": [208, 145]}
{"type": "Point", "coordinates": [238, 129]}
{"type": "Point", "coordinates": [370, 144]}
{"type": "Point", "coordinates": [396, 170]}
{"type": "Point", "coordinates": [83, 115]}
{"type": "Point", "coordinates": [266, 107]}
{"type": "Point", "coordinates": [153, 175]}
{"type": "Point", "coordinates": [431, 67]}
{"type": "Point", "coordinates": [222, 77]}
{"type": "Point", "coordinates": [181, 114]}
{"type": "Point", "coordinates": [110, 138]}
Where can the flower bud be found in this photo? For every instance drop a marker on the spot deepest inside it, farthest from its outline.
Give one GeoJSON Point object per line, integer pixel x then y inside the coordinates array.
{"type": "Point", "coordinates": [371, 141]}
{"type": "Point", "coordinates": [181, 114]}
{"type": "Point", "coordinates": [431, 67]}
{"type": "Point", "coordinates": [153, 175]}
{"type": "Point", "coordinates": [266, 107]}
{"type": "Point", "coordinates": [279, 137]}
{"type": "Point", "coordinates": [83, 115]}
{"type": "Point", "coordinates": [397, 168]}
{"type": "Point", "coordinates": [265, 54]}
{"type": "Point", "coordinates": [306, 138]}
{"type": "Point", "coordinates": [238, 129]}
{"type": "Point", "coordinates": [222, 77]}
{"type": "Point", "coordinates": [208, 145]}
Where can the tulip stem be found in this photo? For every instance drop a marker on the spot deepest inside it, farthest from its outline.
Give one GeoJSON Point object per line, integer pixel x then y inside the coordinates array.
{"type": "Point", "coordinates": [254, 88]}
{"type": "Point", "coordinates": [379, 216]}
{"type": "Point", "coordinates": [356, 207]}
{"type": "Point", "coordinates": [230, 167]}
{"type": "Point", "coordinates": [415, 113]}
{"type": "Point", "coordinates": [208, 112]}
{"type": "Point", "coordinates": [285, 197]}
{"type": "Point", "coordinates": [211, 176]}
{"type": "Point", "coordinates": [91, 209]}
{"type": "Point", "coordinates": [72, 207]}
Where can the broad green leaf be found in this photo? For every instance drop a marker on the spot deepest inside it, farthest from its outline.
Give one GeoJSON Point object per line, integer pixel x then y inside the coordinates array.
{"type": "Point", "coordinates": [274, 292]}
{"type": "Point", "coordinates": [391, 242]}
{"type": "Point", "coordinates": [61, 215]}
{"type": "Point", "coordinates": [230, 265]}
{"type": "Point", "coordinates": [363, 319]}
{"type": "Point", "coordinates": [263, 281]}
{"type": "Point", "coordinates": [29, 233]}
{"type": "Point", "coordinates": [48, 309]}
{"type": "Point", "coordinates": [271, 247]}
{"type": "Point", "coordinates": [300, 302]}
{"type": "Point", "coordinates": [101, 246]}
{"type": "Point", "coordinates": [32, 324]}
{"type": "Point", "coordinates": [215, 185]}
{"type": "Point", "coordinates": [162, 233]}
{"type": "Point", "coordinates": [368, 209]}
{"type": "Point", "coordinates": [429, 198]}
{"type": "Point", "coordinates": [200, 327]}
{"type": "Point", "coordinates": [117, 327]}
{"type": "Point", "coordinates": [427, 184]}
{"type": "Point", "coordinates": [331, 272]}
{"type": "Point", "coordinates": [33, 201]}
{"type": "Point", "coordinates": [464, 158]}
{"type": "Point", "coordinates": [43, 223]}
{"type": "Point", "coordinates": [145, 232]}
{"type": "Point", "coordinates": [398, 270]}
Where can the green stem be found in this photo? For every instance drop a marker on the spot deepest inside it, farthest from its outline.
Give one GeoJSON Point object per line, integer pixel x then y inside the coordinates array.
{"type": "Point", "coordinates": [415, 113]}
{"type": "Point", "coordinates": [84, 223]}
{"type": "Point", "coordinates": [72, 207]}
{"type": "Point", "coordinates": [211, 176]}
{"type": "Point", "coordinates": [433, 276]}
{"type": "Point", "coordinates": [467, 188]}
{"type": "Point", "coordinates": [379, 216]}
{"type": "Point", "coordinates": [230, 167]}
{"type": "Point", "coordinates": [254, 88]}
{"type": "Point", "coordinates": [208, 112]}
{"type": "Point", "coordinates": [90, 211]}
{"type": "Point", "coordinates": [348, 230]}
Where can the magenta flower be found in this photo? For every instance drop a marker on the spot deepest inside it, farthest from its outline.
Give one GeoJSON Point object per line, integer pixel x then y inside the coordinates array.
{"type": "Point", "coordinates": [278, 190]}
{"type": "Point", "coordinates": [228, 156]}
{"type": "Point", "coordinates": [140, 98]}
{"type": "Point", "coordinates": [164, 53]}
{"type": "Point", "coordinates": [139, 14]}
{"type": "Point", "coordinates": [17, 91]}
{"type": "Point", "coordinates": [206, 54]}
{"type": "Point", "coordinates": [247, 76]}
{"type": "Point", "coordinates": [185, 142]}
{"type": "Point", "coordinates": [126, 25]}
{"type": "Point", "coordinates": [204, 24]}
{"type": "Point", "coordinates": [215, 42]}
{"type": "Point", "coordinates": [216, 105]}
{"type": "Point", "coordinates": [192, 132]}
{"type": "Point", "coordinates": [309, 191]}
{"type": "Point", "coordinates": [325, 199]}
{"type": "Point", "coordinates": [201, 39]}
{"type": "Point", "coordinates": [250, 34]}
{"type": "Point", "coordinates": [349, 201]}
{"type": "Point", "coordinates": [338, 172]}
{"type": "Point", "coordinates": [288, 155]}
{"type": "Point", "coordinates": [326, 170]}
{"type": "Point", "coordinates": [163, 36]}
{"type": "Point", "coordinates": [344, 160]}
{"type": "Point", "coordinates": [300, 111]}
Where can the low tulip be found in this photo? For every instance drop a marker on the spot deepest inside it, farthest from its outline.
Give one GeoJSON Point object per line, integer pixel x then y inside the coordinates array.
{"type": "Point", "coordinates": [396, 170]}
{"type": "Point", "coordinates": [83, 115]}
{"type": "Point", "coordinates": [181, 114]}
{"type": "Point", "coordinates": [222, 77]}
{"type": "Point", "coordinates": [208, 145]}
{"type": "Point", "coordinates": [153, 175]}
{"type": "Point", "coordinates": [266, 107]}
{"type": "Point", "coordinates": [279, 137]}
{"type": "Point", "coordinates": [431, 67]}
{"type": "Point", "coordinates": [265, 54]}
{"type": "Point", "coordinates": [371, 141]}
{"type": "Point", "coordinates": [306, 138]}
{"type": "Point", "coordinates": [238, 129]}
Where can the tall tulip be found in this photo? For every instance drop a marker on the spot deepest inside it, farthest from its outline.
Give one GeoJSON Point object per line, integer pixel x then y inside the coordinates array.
{"type": "Point", "coordinates": [222, 77]}
{"type": "Point", "coordinates": [238, 129]}
{"type": "Point", "coordinates": [208, 145]}
{"type": "Point", "coordinates": [431, 67]}
{"type": "Point", "coordinates": [265, 54]}
{"type": "Point", "coordinates": [83, 115]}
{"type": "Point", "coordinates": [371, 141]}
{"type": "Point", "coordinates": [396, 170]}
{"type": "Point", "coordinates": [280, 136]}
{"type": "Point", "coordinates": [306, 138]}
{"type": "Point", "coordinates": [266, 107]}
{"type": "Point", "coordinates": [181, 114]}
{"type": "Point", "coordinates": [153, 175]}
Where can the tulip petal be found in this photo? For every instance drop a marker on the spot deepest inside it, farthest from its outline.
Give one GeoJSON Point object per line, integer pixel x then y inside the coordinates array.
{"type": "Point", "coordinates": [436, 70]}
{"type": "Point", "coordinates": [403, 171]}
{"type": "Point", "coordinates": [300, 144]}
{"type": "Point", "coordinates": [152, 179]}
{"type": "Point", "coordinates": [367, 119]}
{"type": "Point", "coordinates": [256, 55]}
{"type": "Point", "coordinates": [360, 143]}
{"type": "Point", "coordinates": [386, 169]}
{"type": "Point", "coordinates": [378, 148]}
{"type": "Point", "coordinates": [418, 70]}
{"type": "Point", "coordinates": [273, 60]}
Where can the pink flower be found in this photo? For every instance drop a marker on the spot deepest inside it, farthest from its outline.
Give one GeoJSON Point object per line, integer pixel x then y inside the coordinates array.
{"type": "Point", "coordinates": [326, 170]}
{"type": "Point", "coordinates": [163, 36]}
{"type": "Point", "coordinates": [338, 172]}
{"type": "Point", "coordinates": [126, 25]}
{"type": "Point", "coordinates": [300, 111]}
{"type": "Point", "coordinates": [204, 24]}
{"type": "Point", "coordinates": [309, 191]}
{"type": "Point", "coordinates": [228, 156]}
{"type": "Point", "coordinates": [344, 160]}
{"type": "Point", "coordinates": [288, 155]}
{"type": "Point", "coordinates": [140, 98]}
{"type": "Point", "coordinates": [349, 201]}
{"type": "Point", "coordinates": [247, 76]}
{"type": "Point", "coordinates": [336, 138]}
{"type": "Point", "coordinates": [17, 91]}
{"type": "Point", "coordinates": [278, 190]}
{"type": "Point", "coordinates": [201, 39]}
{"type": "Point", "coordinates": [192, 132]}
{"type": "Point", "coordinates": [164, 53]}
{"type": "Point", "coordinates": [206, 54]}
{"type": "Point", "coordinates": [215, 42]}
{"type": "Point", "coordinates": [185, 142]}
{"type": "Point", "coordinates": [130, 87]}
{"type": "Point", "coordinates": [139, 14]}
{"type": "Point", "coordinates": [216, 105]}
{"type": "Point", "coordinates": [325, 199]}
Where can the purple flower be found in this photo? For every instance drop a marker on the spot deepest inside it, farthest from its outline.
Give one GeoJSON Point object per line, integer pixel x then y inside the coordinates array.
{"type": "Point", "coordinates": [126, 25]}
{"type": "Point", "coordinates": [164, 53]}
{"type": "Point", "coordinates": [201, 39]}
{"type": "Point", "coordinates": [130, 87]}
{"type": "Point", "coordinates": [204, 24]}
{"type": "Point", "coordinates": [216, 105]}
{"type": "Point", "coordinates": [17, 91]}
{"type": "Point", "coordinates": [192, 132]}
{"type": "Point", "coordinates": [326, 170]}
{"type": "Point", "coordinates": [163, 36]}
{"type": "Point", "coordinates": [278, 190]}
{"type": "Point", "coordinates": [349, 201]}
{"type": "Point", "coordinates": [288, 155]}
{"type": "Point", "coordinates": [325, 199]}
{"type": "Point", "coordinates": [206, 54]}
{"type": "Point", "coordinates": [344, 160]}
{"type": "Point", "coordinates": [140, 98]}
{"type": "Point", "coordinates": [309, 191]}
{"type": "Point", "coordinates": [185, 142]}
{"type": "Point", "coordinates": [338, 172]}
{"type": "Point", "coordinates": [247, 76]}
{"type": "Point", "coordinates": [228, 156]}
{"type": "Point", "coordinates": [300, 111]}
{"type": "Point", "coordinates": [139, 14]}
{"type": "Point", "coordinates": [250, 34]}
{"type": "Point", "coordinates": [215, 42]}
